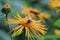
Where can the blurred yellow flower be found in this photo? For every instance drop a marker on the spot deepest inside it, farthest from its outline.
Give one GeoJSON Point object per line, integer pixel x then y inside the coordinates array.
{"type": "Point", "coordinates": [7, 5]}
{"type": "Point", "coordinates": [31, 26]}
{"type": "Point", "coordinates": [34, 12]}
{"type": "Point", "coordinates": [57, 31]}
{"type": "Point", "coordinates": [54, 3]}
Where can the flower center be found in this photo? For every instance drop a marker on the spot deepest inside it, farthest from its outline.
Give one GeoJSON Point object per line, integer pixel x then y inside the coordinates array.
{"type": "Point", "coordinates": [28, 21]}
{"type": "Point", "coordinates": [25, 22]}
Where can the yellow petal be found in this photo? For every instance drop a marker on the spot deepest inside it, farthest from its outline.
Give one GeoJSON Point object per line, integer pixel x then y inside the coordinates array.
{"type": "Point", "coordinates": [12, 21]}
{"type": "Point", "coordinates": [15, 29]}
{"type": "Point", "coordinates": [42, 16]}
{"type": "Point", "coordinates": [18, 15]}
{"type": "Point", "coordinates": [17, 32]}
{"type": "Point", "coordinates": [58, 10]}
{"type": "Point", "coordinates": [28, 33]}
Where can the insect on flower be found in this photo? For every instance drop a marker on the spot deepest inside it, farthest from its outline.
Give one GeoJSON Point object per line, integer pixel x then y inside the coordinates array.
{"type": "Point", "coordinates": [31, 26]}
{"type": "Point", "coordinates": [34, 12]}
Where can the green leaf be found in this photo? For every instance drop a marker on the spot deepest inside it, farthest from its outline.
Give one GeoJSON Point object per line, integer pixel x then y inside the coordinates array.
{"type": "Point", "coordinates": [57, 23]}
{"type": "Point", "coordinates": [26, 2]}
{"type": "Point", "coordinates": [51, 36]}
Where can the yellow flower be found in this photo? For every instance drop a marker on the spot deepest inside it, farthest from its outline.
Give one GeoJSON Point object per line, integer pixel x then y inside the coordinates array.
{"type": "Point", "coordinates": [34, 12]}
{"type": "Point", "coordinates": [57, 31]}
{"type": "Point", "coordinates": [31, 26]}
{"type": "Point", "coordinates": [54, 3]}
{"type": "Point", "coordinates": [7, 5]}
{"type": "Point", "coordinates": [27, 12]}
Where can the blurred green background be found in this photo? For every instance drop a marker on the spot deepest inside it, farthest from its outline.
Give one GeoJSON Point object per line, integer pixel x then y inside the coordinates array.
{"type": "Point", "coordinates": [52, 24]}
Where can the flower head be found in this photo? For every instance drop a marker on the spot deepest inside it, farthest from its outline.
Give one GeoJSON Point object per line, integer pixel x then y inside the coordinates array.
{"type": "Point", "coordinates": [7, 5]}
{"type": "Point", "coordinates": [34, 12]}
{"type": "Point", "coordinates": [54, 3]}
{"type": "Point", "coordinates": [31, 26]}
{"type": "Point", "coordinates": [57, 31]}
{"type": "Point", "coordinates": [6, 9]}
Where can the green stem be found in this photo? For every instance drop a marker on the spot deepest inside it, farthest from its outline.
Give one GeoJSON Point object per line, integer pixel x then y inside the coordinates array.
{"type": "Point", "coordinates": [24, 33]}
{"type": "Point", "coordinates": [6, 21]}
{"type": "Point", "coordinates": [6, 16]}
